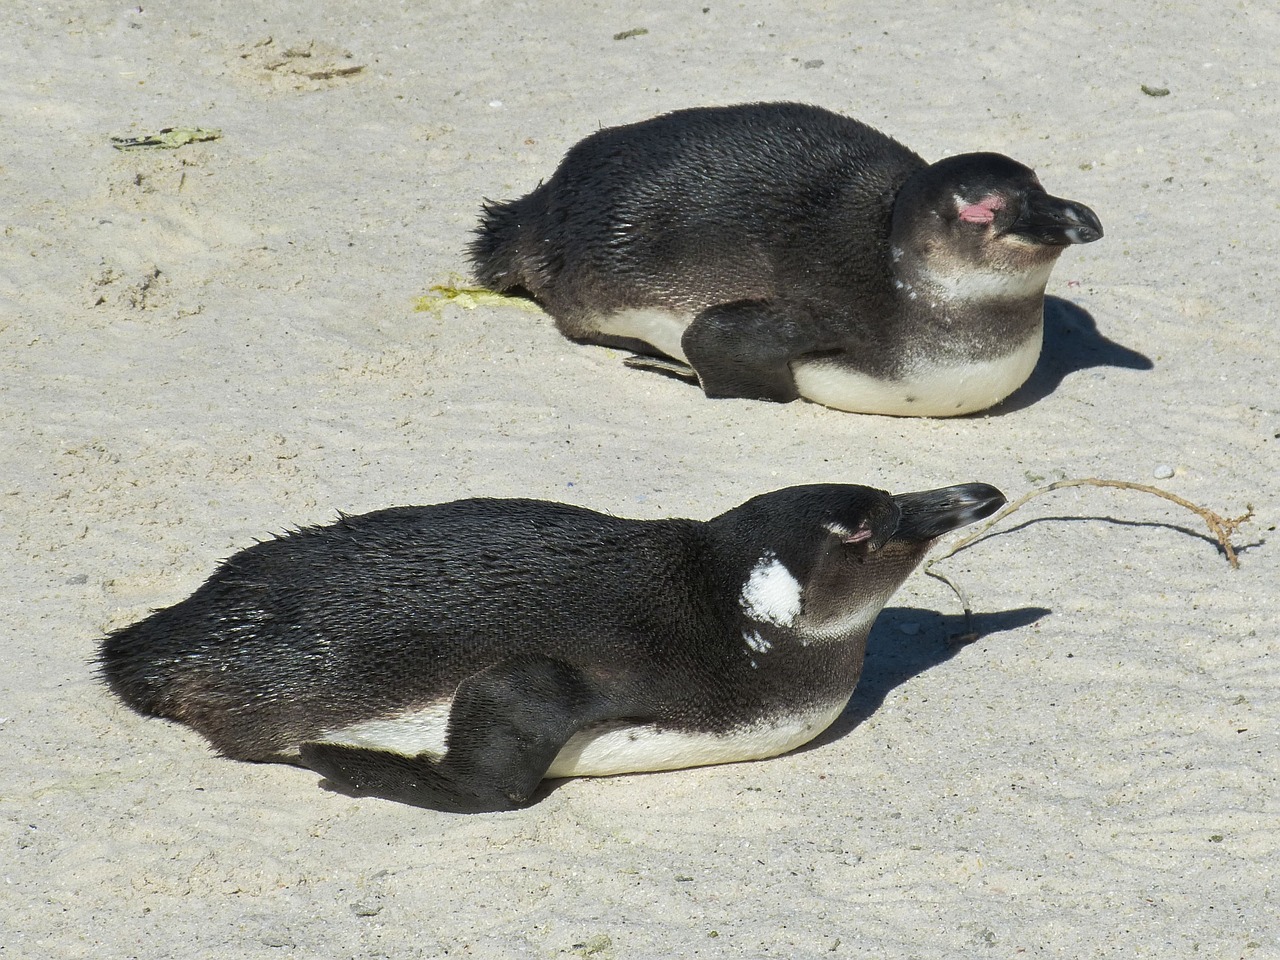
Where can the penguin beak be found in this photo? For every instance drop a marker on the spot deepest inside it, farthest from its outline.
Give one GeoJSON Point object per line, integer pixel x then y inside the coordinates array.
{"type": "Point", "coordinates": [1055, 222]}
{"type": "Point", "coordinates": [932, 513]}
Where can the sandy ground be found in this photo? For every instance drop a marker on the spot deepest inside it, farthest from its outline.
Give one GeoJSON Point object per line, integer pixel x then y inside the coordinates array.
{"type": "Point", "coordinates": [204, 345]}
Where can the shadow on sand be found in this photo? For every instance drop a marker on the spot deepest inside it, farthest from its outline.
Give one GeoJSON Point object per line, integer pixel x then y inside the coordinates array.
{"type": "Point", "coordinates": [1071, 343]}
{"type": "Point", "coordinates": [894, 656]}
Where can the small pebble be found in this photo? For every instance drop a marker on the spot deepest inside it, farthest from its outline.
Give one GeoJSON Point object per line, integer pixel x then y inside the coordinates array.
{"type": "Point", "coordinates": [1162, 472]}
{"type": "Point", "coordinates": [910, 629]}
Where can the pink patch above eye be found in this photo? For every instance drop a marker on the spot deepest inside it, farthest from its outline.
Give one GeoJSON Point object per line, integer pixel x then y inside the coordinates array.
{"type": "Point", "coordinates": [858, 536]}
{"type": "Point", "coordinates": [984, 211]}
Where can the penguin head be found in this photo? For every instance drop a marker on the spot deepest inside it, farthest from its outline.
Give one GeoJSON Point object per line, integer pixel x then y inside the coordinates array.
{"type": "Point", "coordinates": [980, 226]}
{"type": "Point", "coordinates": [796, 522]}
{"type": "Point", "coordinates": [919, 519]}
{"type": "Point", "coordinates": [801, 522]}
{"type": "Point", "coordinates": [823, 559]}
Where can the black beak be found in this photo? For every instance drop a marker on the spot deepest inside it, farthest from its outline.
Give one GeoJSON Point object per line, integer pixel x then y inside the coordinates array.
{"type": "Point", "coordinates": [932, 513]}
{"type": "Point", "coordinates": [1056, 222]}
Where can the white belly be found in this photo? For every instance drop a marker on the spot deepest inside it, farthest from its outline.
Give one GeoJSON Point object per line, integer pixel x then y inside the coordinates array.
{"type": "Point", "coordinates": [635, 749]}
{"type": "Point", "coordinates": [605, 750]}
{"type": "Point", "coordinates": [422, 731]}
{"type": "Point", "coordinates": [661, 328]}
{"type": "Point", "coordinates": [929, 391]}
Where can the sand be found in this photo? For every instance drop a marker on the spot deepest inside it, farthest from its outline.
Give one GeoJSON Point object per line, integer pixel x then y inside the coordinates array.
{"type": "Point", "coordinates": [205, 345]}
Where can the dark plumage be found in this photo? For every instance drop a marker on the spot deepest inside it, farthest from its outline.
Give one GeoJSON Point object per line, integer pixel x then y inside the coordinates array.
{"type": "Point", "coordinates": [776, 250]}
{"type": "Point", "coordinates": [454, 655]}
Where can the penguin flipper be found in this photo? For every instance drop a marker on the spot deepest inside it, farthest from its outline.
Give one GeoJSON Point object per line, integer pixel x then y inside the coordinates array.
{"type": "Point", "coordinates": [506, 725]}
{"type": "Point", "coordinates": [744, 349]}
{"type": "Point", "coordinates": [416, 780]}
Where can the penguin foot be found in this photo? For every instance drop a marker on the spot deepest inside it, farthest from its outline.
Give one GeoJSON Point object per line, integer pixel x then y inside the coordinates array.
{"type": "Point", "coordinates": [663, 365]}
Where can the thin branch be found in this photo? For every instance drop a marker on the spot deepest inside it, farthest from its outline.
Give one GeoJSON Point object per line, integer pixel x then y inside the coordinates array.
{"type": "Point", "coordinates": [1222, 528]}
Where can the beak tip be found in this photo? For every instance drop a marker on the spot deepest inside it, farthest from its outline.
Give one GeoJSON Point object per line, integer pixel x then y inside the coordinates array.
{"type": "Point", "coordinates": [1089, 228]}
{"type": "Point", "coordinates": [984, 499]}
{"type": "Point", "coordinates": [1057, 222]}
{"type": "Point", "coordinates": [931, 513]}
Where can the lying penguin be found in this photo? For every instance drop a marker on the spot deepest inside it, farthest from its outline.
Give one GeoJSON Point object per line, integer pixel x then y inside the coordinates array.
{"type": "Point", "coordinates": [453, 656]}
{"type": "Point", "coordinates": [777, 250]}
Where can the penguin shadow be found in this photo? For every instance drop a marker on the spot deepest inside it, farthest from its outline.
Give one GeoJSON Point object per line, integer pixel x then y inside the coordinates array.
{"type": "Point", "coordinates": [1071, 343]}
{"type": "Point", "coordinates": [905, 642]}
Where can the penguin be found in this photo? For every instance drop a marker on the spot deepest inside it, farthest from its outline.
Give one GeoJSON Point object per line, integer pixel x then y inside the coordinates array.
{"type": "Point", "coordinates": [453, 656]}
{"type": "Point", "coordinates": [773, 251]}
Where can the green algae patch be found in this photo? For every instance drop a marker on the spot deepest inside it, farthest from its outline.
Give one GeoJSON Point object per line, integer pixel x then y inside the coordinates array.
{"type": "Point", "coordinates": [444, 294]}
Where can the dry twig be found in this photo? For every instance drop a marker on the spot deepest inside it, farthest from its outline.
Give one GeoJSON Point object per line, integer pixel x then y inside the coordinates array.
{"type": "Point", "coordinates": [1222, 528]}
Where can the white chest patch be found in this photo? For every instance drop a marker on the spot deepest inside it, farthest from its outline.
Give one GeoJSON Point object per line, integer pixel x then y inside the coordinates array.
{"type": "Point", "coordinates": [971, 285]}
{"type": "Point", "coordinates": [855, 623]}
{"type": "Point", "coordinates": [608, 749]}
{"type": "Point", "coordinates": [771, 594]}
{"type": "Point", "coordinates": [661, 328]}
{"type": "Point", "coordinates": [928, 391]}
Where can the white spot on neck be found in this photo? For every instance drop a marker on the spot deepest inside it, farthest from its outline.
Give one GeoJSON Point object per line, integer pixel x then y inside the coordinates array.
{"type": "Point", "coordinates": [771, 594]}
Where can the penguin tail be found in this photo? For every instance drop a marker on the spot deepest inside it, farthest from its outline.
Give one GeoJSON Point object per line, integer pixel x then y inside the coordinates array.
{"type": "Point", "coordinates": [132, 662]}
{"type": "Point", "coordinates": [496, 252]}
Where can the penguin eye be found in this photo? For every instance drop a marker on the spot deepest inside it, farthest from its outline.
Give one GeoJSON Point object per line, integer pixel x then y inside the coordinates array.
{"type": "Point", "coordinates": [850, 536]}
{"type": "Point", "coordinates": [982, 212]}
{"type": "Point", "coordinates": [858, 541]}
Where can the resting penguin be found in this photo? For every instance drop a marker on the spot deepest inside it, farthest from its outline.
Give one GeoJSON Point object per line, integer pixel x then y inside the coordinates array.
{"type": "Point", "coordinates": [453, 656]}
{"type": "Point", "coordinates": [777, 250]}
